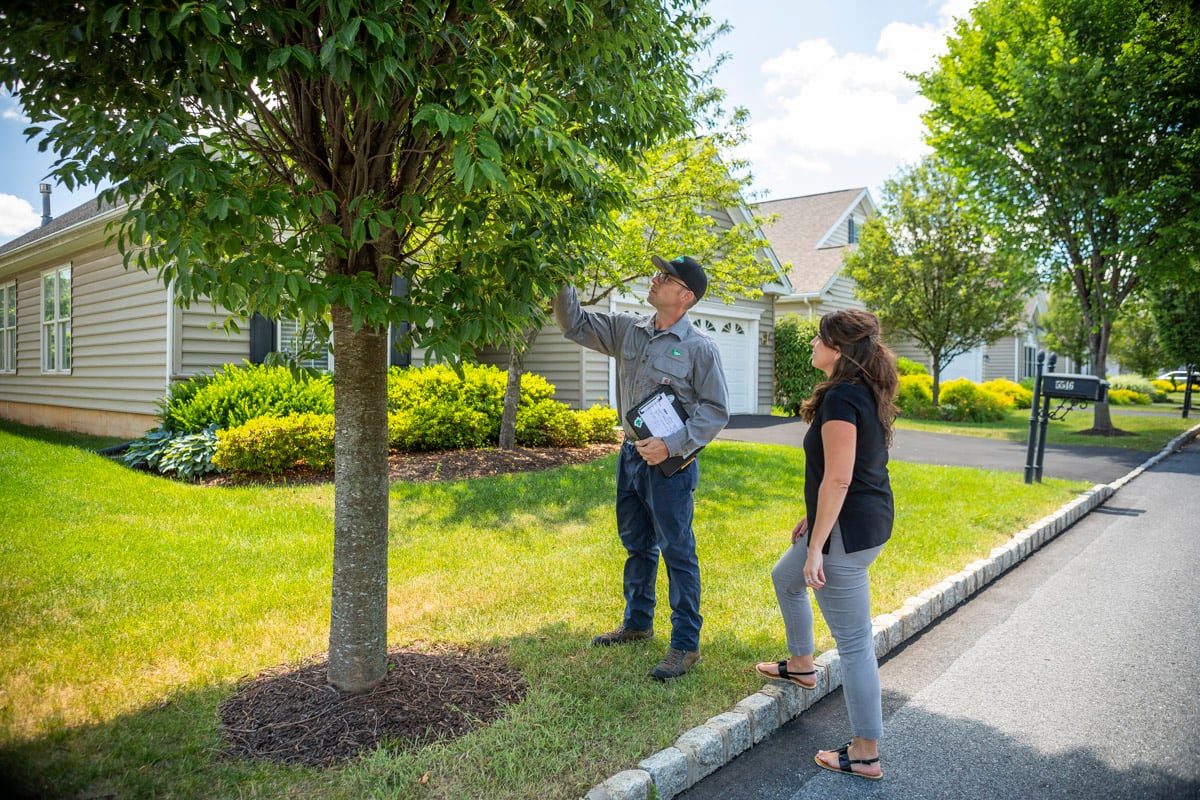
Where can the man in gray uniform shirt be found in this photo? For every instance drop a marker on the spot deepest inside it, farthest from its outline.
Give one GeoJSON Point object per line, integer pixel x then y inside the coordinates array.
{"type": "Point", "coordinates": [654, 511]}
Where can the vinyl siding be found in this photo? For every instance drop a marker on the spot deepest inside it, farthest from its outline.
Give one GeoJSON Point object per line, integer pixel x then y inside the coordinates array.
{"type": "Point", "coordinates": [204, 344]}
{"type": "Point", "coordinates": [118, 338]}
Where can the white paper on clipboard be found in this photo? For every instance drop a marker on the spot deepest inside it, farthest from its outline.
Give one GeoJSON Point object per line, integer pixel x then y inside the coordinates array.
{"type": "Point", "coordinates": [660, 417]}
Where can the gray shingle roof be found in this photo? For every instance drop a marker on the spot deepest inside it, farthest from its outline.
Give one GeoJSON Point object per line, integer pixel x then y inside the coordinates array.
{"type": "Point", "coordinates": [79, 214]}
{"type": "Point", "coordinates": [802, 223]}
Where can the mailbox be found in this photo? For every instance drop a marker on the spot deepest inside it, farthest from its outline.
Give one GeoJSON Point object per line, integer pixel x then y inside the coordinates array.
{"type": "Point", "coordinates": [1068, 386]}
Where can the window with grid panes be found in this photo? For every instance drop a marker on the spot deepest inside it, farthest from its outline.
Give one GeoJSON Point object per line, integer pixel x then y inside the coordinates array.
{"type": "Point", "coordinates": [8, 327]}
{"type": "Point", "coordinates": [56, 320]}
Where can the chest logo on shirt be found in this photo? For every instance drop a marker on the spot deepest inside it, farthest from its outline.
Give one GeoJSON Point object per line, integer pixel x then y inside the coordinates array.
{"type": "Point", "coordinates": [676, 351]}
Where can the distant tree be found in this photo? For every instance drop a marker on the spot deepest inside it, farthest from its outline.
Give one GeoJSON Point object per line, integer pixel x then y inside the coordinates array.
{"type": "Point", "coordinates": [295, 157]}
{"type": "Point", "coordinates": [927, 266]}
{"type": "Point", "coordinates": [1135, 339]}
{"type": "Point", "coordinates": [673, 191]}
{"type": "Point", "coordinates": [1175, 307]}
{"type": "Point", "coordinates": [1065, 332]}
{"type": "Point", "coordinates": [1078, 120]}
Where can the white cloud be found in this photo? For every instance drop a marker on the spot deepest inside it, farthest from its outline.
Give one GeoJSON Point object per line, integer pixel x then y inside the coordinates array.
{"type": "Point", "coordinates": [16, 217]}
{"type": "Point", "coordinates": [841, 119]}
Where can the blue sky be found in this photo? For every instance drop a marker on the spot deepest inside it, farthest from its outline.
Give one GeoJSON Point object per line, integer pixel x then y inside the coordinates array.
{"type": "Point", "coordinates": [823, 81]}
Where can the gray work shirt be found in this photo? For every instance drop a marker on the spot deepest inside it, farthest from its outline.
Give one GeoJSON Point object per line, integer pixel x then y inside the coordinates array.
{"type": "Point", "coordinates": [680, 357]}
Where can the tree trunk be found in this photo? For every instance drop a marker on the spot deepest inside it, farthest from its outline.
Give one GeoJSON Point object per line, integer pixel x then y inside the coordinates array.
{"type": "Point", "coordinates": [358, 619]}
{"type": "Point", "coordinates": [1098, 364]}
{"type": "Point", "coordinates": [512, 390]}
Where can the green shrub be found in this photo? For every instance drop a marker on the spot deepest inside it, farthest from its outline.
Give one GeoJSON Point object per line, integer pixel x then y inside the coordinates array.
{"type": "Point", "coordinates": [191, 454]}
{"type": "Point", "coordinates": [914, 396]}
{"type": "Point", "coordinates": [547, 423]}
{"type": "Point", "coordinates": [795, 376]}
{"type": "Point", "coordinates": [185, 454]}
{"type": "Point", "coordinates": [237, 395]}
{"type": "Point", "coordinates": [962, 400]}
{"type": "Point", "coordinates": [1127, 397]}
{"type": "Point", "coordinates": [1138, 385]}
{"type": "Point", "coordinates": [446, 424]}
{"type": "Point", "coordinates": [1018, 394]}
{"type": "Point", "coordinates": [147, 450]}
{"type": "Point", "coordinates": [906, 366]}
{"type": "Point", "coordinates": [599, 424]}
{"type": "Point", "coordinates": [271, 445]}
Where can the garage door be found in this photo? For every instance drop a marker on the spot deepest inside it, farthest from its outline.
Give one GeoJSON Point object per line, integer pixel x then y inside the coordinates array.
{"type": "Point", "coordinates": [739, 358]}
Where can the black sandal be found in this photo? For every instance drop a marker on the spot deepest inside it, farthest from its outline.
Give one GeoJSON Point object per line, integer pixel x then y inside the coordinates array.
{"type": "Point", "coordinates": [787, 676]}
{"type": "Point", "coordinates": [845, 763]}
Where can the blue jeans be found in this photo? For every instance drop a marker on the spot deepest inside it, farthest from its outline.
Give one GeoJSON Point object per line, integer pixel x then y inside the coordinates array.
{"type": "Point", "coordinates": [654, 515]}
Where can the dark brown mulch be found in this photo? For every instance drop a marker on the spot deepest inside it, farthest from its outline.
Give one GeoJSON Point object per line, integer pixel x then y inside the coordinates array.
{"type": "Point", "coordinates": [443, 465]}
{"type": "Point", "coordinates": [293, 717]}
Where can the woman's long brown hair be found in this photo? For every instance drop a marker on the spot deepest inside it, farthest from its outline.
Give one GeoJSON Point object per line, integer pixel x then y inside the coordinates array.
{"type": "Point", "coordinates": [864, 360]}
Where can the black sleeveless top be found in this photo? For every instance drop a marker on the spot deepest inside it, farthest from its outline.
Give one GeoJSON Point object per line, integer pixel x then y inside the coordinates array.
{"type": "Point", "coordinates": [868, 512]}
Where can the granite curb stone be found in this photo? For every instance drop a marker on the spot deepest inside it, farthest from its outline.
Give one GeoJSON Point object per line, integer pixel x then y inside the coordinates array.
{"type": "Point", "coordinates": [705, 749]}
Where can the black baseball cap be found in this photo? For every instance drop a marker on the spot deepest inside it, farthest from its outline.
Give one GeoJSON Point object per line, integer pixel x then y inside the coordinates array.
{"type": "Point", "coordinates": [687, 269]}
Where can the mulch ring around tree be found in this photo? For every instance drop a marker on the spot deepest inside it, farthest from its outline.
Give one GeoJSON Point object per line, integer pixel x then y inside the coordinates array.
{"type": "Point", "coordinates": [294, 717]}
{"type": "Point", "coordinates": [443, 465]}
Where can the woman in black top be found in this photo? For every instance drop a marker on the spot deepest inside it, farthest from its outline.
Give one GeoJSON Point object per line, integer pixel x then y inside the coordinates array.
{"type": "Point", "coordinates": [848, 498]}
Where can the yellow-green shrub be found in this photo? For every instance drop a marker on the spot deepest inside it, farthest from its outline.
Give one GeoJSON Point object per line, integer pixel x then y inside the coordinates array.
{"type": "Point", "coordinates": [914, 395]}
{"type": "Point", "coordinates": [273, 444]}
{"type": "Point", "coordinates": [1166, 387]}
{"type": "Point", "coordinates": [547, 423]}
{"type": "Point", "coordinates": [1018, 394]}
{"type": "Point", "coordinates": [1127, 397]}
{"type": "Point", "coordinates": [962, 400]}
{"type": "Point", "coordinates": [599, 424]}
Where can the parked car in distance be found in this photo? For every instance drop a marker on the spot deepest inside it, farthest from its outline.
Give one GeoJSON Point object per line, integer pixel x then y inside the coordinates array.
{"type": "Point", "coordinates": [1178, 376]}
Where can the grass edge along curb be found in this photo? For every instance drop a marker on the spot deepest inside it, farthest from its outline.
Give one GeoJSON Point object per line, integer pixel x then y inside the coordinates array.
{"type": "Point", "coordinates": [703, 750]}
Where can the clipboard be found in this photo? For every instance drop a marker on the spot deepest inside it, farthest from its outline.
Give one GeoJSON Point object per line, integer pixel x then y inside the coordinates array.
{"type": "Point", "coordinates": [661, 414]}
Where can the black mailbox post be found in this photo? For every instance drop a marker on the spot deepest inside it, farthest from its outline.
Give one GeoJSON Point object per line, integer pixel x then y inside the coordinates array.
{"type": "Point", "coordinates": [1069, 389]}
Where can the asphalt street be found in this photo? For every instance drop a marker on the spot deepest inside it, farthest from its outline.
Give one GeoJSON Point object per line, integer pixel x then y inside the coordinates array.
{"type": "Point", "coordinates": [1073, 676]}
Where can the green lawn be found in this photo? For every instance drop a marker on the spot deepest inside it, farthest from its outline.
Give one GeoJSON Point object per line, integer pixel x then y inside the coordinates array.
{"type": "Point", "coordinates": [131, 605]}
{"type": "Point", "coordinates": [1147, 428]}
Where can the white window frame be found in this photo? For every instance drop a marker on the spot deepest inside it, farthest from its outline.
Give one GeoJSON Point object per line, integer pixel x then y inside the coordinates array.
{"type": "Point", "coordinates": [8, 328]}
{"type": "Point", "coordinates": [57, 329]}
{"type": "Point", "coordinates": [286, 331]}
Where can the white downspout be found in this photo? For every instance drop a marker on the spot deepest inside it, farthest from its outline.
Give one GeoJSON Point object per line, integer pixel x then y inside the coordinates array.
{"type": "Point", "coordinates": [170, 341]}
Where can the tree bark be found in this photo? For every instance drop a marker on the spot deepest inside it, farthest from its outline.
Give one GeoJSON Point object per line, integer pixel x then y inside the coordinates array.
{"type": "Point", "coordinates": [358, 619]}
{"type": "Point", "coordinates": [1102, 417]}
{"type": "Point", "coordinates": [512, 390]}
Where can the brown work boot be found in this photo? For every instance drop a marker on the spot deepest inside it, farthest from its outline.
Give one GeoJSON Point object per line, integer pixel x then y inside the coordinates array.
{"type": "Point", "coordinates": [674, 664]}
{"type": "Point", "coordinates": [621, 635]}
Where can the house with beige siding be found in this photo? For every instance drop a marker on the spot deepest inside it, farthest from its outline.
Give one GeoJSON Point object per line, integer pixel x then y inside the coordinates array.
{"type": "Point", "coordinates": [89, 346]}
{"type": "Point", "coordinates": [815, 233]}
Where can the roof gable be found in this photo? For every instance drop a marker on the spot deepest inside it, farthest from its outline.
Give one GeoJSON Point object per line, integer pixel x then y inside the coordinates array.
{"type": "Point", "coordinates": [806, 234]}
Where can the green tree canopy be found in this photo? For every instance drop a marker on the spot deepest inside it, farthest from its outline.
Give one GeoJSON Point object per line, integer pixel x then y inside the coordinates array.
{"type": "Point", "coordinates": [927, 266]}
{"type": "Point", "coordinates": [1077, 120]}
{"type": "Point", "coordinates": [293, 157]}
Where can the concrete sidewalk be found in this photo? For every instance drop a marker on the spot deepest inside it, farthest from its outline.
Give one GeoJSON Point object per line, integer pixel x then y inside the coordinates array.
{"type": "Point", "coordinates": [1072, 677]}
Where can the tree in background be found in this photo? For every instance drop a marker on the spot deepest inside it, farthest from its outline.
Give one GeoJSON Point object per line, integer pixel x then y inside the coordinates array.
{"type": "Point", "coordinates": [1135, 342]}
{"type": "Point", "coordinates": [292, 158]}
{"type": "Point", "coordinates": [1065, 332]}
{"type": "Point", "coordinates": [673, 192]}
{"type": "Point", "coordinates": [927, 266]}
{"type": "Point", "coordinates": [1176, 310]}
{"type": "Point", "coordinates": [1077, 120]}
{"type": "Point", "coordinates": [795, 376]}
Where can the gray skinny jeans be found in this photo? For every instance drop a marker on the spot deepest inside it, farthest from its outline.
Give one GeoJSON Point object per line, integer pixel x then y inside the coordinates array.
{"type": "Point", "coordinates": [845, 602]}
